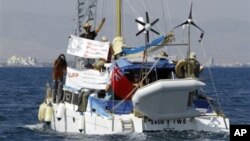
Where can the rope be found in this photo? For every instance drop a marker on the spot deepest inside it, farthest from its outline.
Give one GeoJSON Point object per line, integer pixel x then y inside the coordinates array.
{"type": "Point", "coordinates": [132, 91]}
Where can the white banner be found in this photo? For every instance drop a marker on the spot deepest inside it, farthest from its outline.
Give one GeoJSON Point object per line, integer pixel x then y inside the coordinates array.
{"type": "Point", "coordinates": [91, 79]}
{"type": "Point", "coordinates": [87, 48]}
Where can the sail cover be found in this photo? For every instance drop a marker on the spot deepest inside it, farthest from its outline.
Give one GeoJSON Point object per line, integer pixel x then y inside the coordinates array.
{"type": "Point", "coordinates": [86, 13]}
{"type": "Point", "coordinates": [133, 50]}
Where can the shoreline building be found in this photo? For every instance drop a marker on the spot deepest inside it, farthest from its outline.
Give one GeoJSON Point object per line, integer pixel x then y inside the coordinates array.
{"type": "Point", "coordinates": [22, 61]}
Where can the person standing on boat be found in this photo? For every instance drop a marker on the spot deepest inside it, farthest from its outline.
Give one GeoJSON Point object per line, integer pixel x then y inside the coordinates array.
{"type": "Point", "coordinates": [88, 34]}
{"type": "Point", "coordinates": [101, 61]}
{"type": "Point", "coordinates": [59, 68]}
{"type": "Point", "coordinates": [194, 70]}
{"type": "Point", "coordinates": [194, 67]}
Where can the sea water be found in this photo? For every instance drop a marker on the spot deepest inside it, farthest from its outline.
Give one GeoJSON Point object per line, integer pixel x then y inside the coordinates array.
{"type": "Point", "coordinates": [23, 89]}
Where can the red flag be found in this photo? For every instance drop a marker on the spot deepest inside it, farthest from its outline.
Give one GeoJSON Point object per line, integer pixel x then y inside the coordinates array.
{"type": "Point", "coordinates": [121, 85]}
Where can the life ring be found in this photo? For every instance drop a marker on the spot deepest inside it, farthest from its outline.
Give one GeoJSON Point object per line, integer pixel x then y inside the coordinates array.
{"type": "Point", "coordinates": [179, 68]}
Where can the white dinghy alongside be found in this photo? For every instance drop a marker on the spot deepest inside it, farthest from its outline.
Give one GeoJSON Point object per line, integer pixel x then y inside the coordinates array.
{"type": "Point", "coordinates": [166, 99]}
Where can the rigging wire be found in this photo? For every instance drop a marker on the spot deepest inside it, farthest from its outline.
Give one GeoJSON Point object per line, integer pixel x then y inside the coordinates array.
{"type": "Point", "coordinates": [163, 15]}
{"type": "Point", "coordinates": [136, 14]}
{"type": "Point", "coordinates": [169, 17]}
{"type": "Point", "coordinates": [141, 81]}
{"type": "Point", "coordinates": [165, 23]}
{"type": "Point", "coordinates": [171, 27]}
{"type": "Point", "coordinates": [104, 14]}
{"type": "Point", "coordinates": [209, 69]}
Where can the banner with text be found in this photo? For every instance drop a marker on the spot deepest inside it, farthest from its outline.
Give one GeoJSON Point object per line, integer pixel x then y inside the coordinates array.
{"type": "Point", "coordinates": [91, 79]}
{"type": "Point", "coordinates": [87, 48]}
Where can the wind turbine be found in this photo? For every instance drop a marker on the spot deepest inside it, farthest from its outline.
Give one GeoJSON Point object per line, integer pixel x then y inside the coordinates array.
{"type": "Point", "coordinates": [190, 22]}
{"type": "Point", "coordinates": [147, 26]}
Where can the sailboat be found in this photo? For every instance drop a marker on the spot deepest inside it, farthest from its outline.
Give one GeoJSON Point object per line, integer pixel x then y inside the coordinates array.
{"type": "Point", "coordinates": [162, 98]}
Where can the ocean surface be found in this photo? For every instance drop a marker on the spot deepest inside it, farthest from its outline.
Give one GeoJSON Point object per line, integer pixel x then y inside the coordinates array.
{"type": "Point", "coordinates": [23, 89]}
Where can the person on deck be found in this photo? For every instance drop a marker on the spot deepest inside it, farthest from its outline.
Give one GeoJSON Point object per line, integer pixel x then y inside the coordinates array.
{"type": "Point", "coordinates": [164, 55]}
{"type": "Point", "coordinates": [88, 34]}
{"type": "Point", "coordinates": [99, 64]}
{"type": "Point", "coordinates": [194, 70]}
{"type": "Point", "coordinates": [59, 68]}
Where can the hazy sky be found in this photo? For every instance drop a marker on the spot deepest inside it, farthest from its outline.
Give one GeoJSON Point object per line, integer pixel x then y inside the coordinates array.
{"type": "Point", "coordinates": [40, 28]}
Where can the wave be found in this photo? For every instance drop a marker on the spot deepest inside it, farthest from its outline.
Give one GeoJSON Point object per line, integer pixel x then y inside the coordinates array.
{"type": "Point", "coordinates": [39, 127]}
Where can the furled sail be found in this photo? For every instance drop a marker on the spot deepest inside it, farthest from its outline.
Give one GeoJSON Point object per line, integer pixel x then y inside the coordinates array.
{"type": "Point", "coordinates": [86, 13]}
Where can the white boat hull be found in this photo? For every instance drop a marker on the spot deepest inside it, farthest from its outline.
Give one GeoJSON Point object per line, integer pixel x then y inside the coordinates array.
{"type": "Point", "coordinates": [91, 123]}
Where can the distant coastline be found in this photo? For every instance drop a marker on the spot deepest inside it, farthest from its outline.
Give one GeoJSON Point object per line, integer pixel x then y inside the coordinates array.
{"type": "Point", "coordinates": [39, 65]}
{"type": "Point", "coordinates": [16, 61]}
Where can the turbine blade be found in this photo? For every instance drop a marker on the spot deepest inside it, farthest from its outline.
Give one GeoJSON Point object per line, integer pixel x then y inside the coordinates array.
{"type": "Point", "coordinates": [154, 22]}
{"type": "Point", "coordinates": [197, 27]}
{"type": "Point", "coordinates": [147, 17]}
{"type": "Point", "coordinates": [186, 22]}
{"type": "Point", "coordinates": [140, 22]}
{"type": "Point", "coordinates": [190, 14]}
{"type": "Point", "coordinates": [140, 31]}
{"type": "Point", "coordinates": [154, 31]}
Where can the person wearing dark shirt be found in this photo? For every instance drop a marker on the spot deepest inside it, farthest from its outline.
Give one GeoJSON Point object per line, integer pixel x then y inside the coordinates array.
{"type": "Point", "coordinates": [59, 68]}
{"type": "Point", "coordinates": [88, 34]}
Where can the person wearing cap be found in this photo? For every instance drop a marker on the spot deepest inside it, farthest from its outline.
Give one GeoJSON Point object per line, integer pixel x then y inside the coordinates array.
{"type": "Point", "coordinates": [194, 69]}
{"type": "Point", "coordinates": [164, 56]}
{"type": "Point", "coordinates": [59, 68]}
{"type": "Point", "coordinates": [88, 34]}
{"type": "Point", "coordinates": [194, 66]}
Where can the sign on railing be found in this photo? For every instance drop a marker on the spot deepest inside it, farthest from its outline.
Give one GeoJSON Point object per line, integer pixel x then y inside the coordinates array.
{"type": "Point", "coordinates": [91, 79]}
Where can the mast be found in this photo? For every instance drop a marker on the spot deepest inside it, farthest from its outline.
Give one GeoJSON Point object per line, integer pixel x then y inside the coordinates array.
{"type": "Point", "coordinates": [189, 49]}
{"type": "Point", "coordinates": [86, 12]}
{"type": "Point", "coordinates": [119, 18]}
